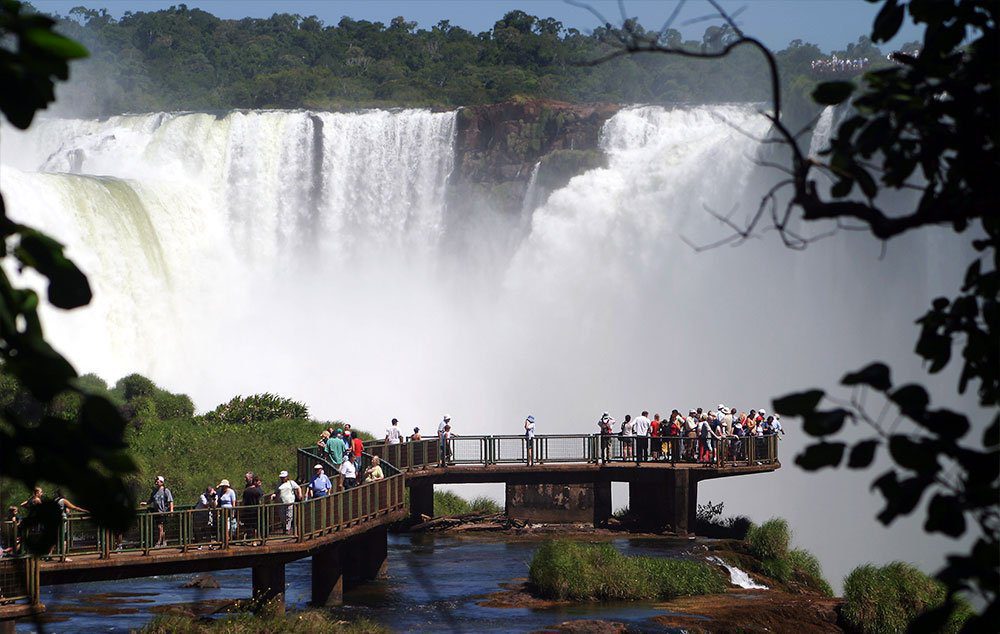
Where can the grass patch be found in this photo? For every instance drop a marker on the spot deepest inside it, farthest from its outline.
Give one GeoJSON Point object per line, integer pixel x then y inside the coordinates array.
{"type": "Point", "coordinates": [808, 571]}
{"type": "Point", "coordinates": [770, 540]}
{"type": "Point", "coordinates": [886, 599]}
{"type": "Point", "coordinates": [308, 622]}
{"type": "Point", "coordinates": [448, 503]}
{"type": "Point", "coordinates": [598, 572]}
{"type": "Point", "coordinates": [765, 551]}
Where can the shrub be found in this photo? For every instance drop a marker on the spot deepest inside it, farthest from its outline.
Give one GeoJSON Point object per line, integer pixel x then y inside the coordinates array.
{"type": "Point", "coordinates": [448, 503]}
{"type": "Point", "coordinates": [598, 572]}
{"type": "Point", "coordinates": [483, 504]}
{"type": "Point", "coordinates": [170, 406]}
{"type": "Point", "coordinates": [880, 600]}
{"type": "Point", "coordinates": [807, 570]}
{"type": "Point", "coordinates": [779, 569]}
{"type": "Point", "coordinates": [257, 407]}
{"type": "Point", "coordinates": [93, 384]}
{"type": "Point", "coordinates": [134, 386]}
{"type": "Point", "coordinates": [769, 540]}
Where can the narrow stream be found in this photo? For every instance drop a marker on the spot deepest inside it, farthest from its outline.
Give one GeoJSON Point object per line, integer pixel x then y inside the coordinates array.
{"type": "Point", "coordinates": [435, 584]}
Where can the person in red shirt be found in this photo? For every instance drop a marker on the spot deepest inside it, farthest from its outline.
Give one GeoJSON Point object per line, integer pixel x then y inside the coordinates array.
{"type": "Point", "coordinates": [654, 433]}
{"type": "Point", "coordinates": [357, 448]}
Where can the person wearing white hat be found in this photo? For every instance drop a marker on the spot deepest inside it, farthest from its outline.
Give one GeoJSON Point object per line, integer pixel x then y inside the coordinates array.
{"type": "Point", "coordinates": [289, 492]}
{"type": "Point", "coordinates": [161, 501]}
{"type": "Point", "coordinates": [227, 500]}
{"type": "Point", "coordinates": [529, 438]}
{"type": "Point", "coordinates": [320, 484]}
{"type": "Point", "coordinates": [441, 440]}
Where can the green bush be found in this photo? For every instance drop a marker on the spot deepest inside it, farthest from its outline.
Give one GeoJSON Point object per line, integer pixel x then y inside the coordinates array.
{"type": "Point", "coordinates": [777, 568]}
{"type": "Point", "coordinates": [257, 407]}
{"type": "Point", "coordinates": [807, 570]}
{"type": "Point", "coordinates": [484, 504]}
{"type": "Point", "coordinates": [598, 572]}
{"type": "Point", "coordinates": [448, 503]}
{"type": "Point", "coordinates": [886, 599]}
{"type": "Point", "coordinates": [134, 386]}
{"type": "Point", "coordinates": [173, 405]}
{"type": "Point", "coordinates": [769, 540]}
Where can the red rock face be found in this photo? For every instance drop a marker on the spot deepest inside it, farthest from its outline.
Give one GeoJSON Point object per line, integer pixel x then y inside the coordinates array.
{"type": "Point", "coordinates": [502, 142]}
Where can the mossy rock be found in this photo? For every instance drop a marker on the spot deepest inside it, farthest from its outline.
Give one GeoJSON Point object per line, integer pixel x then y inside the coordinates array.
{"type": "Point", "coordinates": [559, 166]}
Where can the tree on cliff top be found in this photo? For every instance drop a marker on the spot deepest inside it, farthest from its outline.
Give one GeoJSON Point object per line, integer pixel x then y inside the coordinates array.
{"type": "Point", "coordinates": [928, 124]}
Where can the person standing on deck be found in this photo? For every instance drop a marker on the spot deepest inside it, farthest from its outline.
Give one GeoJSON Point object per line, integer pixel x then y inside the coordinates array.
{"type": "Point", "coordinates": [320, 484]}
{"type": "Point", "coordinates": [441, 442]}
{"type": "Point", "coordinates": [655, 427]}
{"type": "Point", "coordinates": [642, 426]}
{"type": "Point", "coordinates": [161, 500]}
{"type": "Point", "coordinates": [289, 492]}
{"type": "Point", "coordinates": [227, 500]}
{"type": "Point", "coordinates": [529, 438]}
{"type": "Point", "coordinates": [335, 448]}
{"type": "Point", "coordinates": [606, 424]}
{"type": "Point", "coordinates": [392, 435]}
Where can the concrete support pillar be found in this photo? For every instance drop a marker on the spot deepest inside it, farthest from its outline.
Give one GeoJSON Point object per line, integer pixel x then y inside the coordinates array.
{"type": "Point", "coordinates": [421, 500]}
{"type": "Point", "coordinates": [269, 586]}
{"type": "Point", "coordinates": [602, 503]}
{"type": "Point", "coordinates": [328, 577]}
{"type": "Point", "coordinates": [666, 502]}
{"type": "Point", "coordinates": [375, 561]}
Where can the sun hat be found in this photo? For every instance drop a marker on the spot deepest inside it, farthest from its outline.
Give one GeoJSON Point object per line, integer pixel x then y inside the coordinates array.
{"type": "Point", "coordinates": [531, 418]}
{"type": "Point", "coordinates": [447, 418]}
{"type": "Point", "coordinates": [224, 483]}
{"type": "Point", "coordinates": [283, 474]}
{"type": "Point", "coordinates": [319, 466]}
{"type": "Point", "coordinates": [160, 479]}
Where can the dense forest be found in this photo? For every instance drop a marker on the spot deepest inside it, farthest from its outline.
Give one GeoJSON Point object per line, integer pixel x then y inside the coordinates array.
{"type": "Point", "coordinates": [188, 59]}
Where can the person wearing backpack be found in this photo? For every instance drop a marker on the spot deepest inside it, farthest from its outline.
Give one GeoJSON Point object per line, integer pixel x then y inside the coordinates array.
{"type": "Point", "coordinates": [606, 426]}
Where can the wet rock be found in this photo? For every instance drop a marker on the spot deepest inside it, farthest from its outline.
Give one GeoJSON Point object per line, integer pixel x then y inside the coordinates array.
{"type": "Point", "coordinates": [590, 626]}
{"type": "Point", "coordinates": [201, 581]}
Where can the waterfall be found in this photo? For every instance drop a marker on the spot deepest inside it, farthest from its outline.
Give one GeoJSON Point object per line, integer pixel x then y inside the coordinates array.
{"type": "Point", "coordinates": [822, 131]}
{"type": "Point", "coordinates": [738, 577]}
{"type": "Point", "coordinates": [530, 200]}
{"type": "Point", "coordinates": [309, 254]}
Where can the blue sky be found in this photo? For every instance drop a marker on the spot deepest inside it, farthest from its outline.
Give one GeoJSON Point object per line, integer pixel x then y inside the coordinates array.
{"type": "Point", "coordinates": [829, 23]}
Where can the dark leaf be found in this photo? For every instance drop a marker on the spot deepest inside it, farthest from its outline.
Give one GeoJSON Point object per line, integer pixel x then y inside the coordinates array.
{"type": "Point", "coordinates": [944, 423]}
{"type": "Point", "coordinates": [824, 423]}
{"type": "Point", "coordinates": [862, 454]}
{"type": "Point", "coordinates": [55, 44]}
{"type": "Point", "coordinates": [934, 348]}
{"type": "Point", "coordinates": [798, 404]}
{"type": "Point", "coordinates": [991, 437]}
{"type": "Point", "coordinates": [912, 399]}
{"type": "Point", "coordinates": [841, 188]}
{"type": "Point", "coordinates": [875, 375]}
{"type": "Point", "coordinates": [917, 455]}
{"type": "Point", "coordinates": [824, 454]}
{"type": "Point", "coordinates": [40, 527]}
{"type": "Point", "coordinates": [832, 93]}
{"type": "Point", "coordinates": [945, 515]}
{"type": "Point", "coordinates": [68, 286]}
{"type": "Point", "coordinates": [888, 21]}
{"type": "Point", "coordinates": [901, 496]}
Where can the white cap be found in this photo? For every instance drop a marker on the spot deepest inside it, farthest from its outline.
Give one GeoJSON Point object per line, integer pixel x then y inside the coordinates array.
{"type": "Point", "coordinates": [447, 418]}
{"type": "Point", "coordinates": [283, 474]}
{"type": "Point", "coordinates": [319, 466]}
{"type": "Point", "coordinates": [160, 479]}
{"type": "Point", "coordinates": [721, 407]}
{"type": "Point", "coordinates": [762, 412]}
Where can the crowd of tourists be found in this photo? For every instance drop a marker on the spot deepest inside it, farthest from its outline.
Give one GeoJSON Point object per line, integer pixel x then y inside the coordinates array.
{"type": "Point", "coordinates": [837, 66]}
{"type": "Point", "coordinates": [697, 437]}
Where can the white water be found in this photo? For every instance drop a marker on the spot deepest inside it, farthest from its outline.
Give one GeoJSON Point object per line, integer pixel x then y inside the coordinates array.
{"type": "Point", "coordinates": [236, 255]}
{"type": "Point", "coordinates": [738, 577]}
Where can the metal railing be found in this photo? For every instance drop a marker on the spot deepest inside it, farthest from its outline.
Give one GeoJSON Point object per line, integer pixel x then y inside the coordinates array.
{"type": "Point", "coordinates": [593, 448]}
{"type": "Point", "coordinates": [19, 580]}
{"type": "Point", "coordinates": [195, 529]}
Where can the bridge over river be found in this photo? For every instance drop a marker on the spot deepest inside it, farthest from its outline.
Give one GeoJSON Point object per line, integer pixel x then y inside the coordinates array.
{"type": "Point", "coordinates": [345, 532]}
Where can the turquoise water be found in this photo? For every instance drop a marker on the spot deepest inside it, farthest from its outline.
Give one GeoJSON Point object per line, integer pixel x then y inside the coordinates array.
{"type": "Point", "coordinates": [434, 585]}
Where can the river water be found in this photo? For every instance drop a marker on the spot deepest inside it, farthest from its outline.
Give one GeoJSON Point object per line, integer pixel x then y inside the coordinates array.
{"type": "Point", "coordinates": [434, 585]}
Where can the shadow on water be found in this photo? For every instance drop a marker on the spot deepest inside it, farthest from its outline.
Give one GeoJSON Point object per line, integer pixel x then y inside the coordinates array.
{"type": "Point", "coordinates": [435, 584]}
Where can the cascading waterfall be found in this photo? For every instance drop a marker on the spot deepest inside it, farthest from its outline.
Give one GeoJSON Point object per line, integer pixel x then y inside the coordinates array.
{"type": "Point", "coordinates": [303, 253]}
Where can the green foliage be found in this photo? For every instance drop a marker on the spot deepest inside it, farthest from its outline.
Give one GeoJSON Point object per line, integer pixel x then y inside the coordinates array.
{"type": "Point", "coordinates": [770, 540]}
{"type": "Point", "coordinates": [777, 568]}
{"type": "Point", "coordinates": [307, 622]}
{"type": "Point", "coordinates": [76, 442]}
{"type": "Point", "coordinates": [887, 599]}
{"type": "Point", "coordinates": [598, 572]}
{"type": "Point", "coordinates": [133, 386]}
{"type": "Point", "coordinates": [182, 59]}
{"type": "Point", "coordinates": [449, 503]}
{"type": "Point", "coordinates": [257, 407]}
{"type": "Point", "coordinates": [710, 522]}
{"type": "Point", "coordinates": [484, 504]}
{"type": "Point", "coordinates": [807, 570]}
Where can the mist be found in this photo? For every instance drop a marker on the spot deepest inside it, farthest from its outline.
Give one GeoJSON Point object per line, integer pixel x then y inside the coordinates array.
{"type": "Point", "coordinates": [251, 253]}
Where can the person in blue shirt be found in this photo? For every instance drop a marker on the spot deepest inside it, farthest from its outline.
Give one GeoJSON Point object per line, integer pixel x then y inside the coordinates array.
{"type": "Point", "coordinates": [320, 485]}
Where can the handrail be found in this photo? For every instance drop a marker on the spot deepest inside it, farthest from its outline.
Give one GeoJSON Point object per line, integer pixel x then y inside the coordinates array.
{"type": "Point", "coordinates": [593, 448]}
